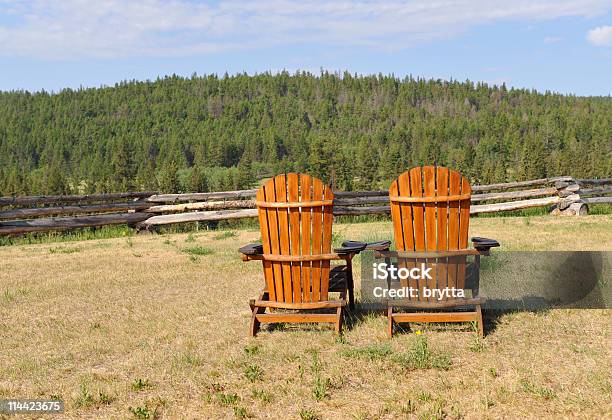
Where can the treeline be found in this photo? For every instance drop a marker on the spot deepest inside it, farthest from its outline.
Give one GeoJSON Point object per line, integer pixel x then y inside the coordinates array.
{"type": "Point", "coordinates": [219, 133]}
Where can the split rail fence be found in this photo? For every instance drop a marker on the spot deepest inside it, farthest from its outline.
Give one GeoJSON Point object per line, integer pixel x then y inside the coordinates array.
{"type": "Point", "coordinates": [562, 195]}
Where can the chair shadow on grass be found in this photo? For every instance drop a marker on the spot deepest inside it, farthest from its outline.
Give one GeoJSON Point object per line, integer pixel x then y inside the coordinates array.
{"type": "Point", "coordinates": [576, 281]}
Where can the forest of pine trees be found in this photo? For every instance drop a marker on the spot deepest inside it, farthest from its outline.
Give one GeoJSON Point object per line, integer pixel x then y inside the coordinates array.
{"type": "Point", "coordinates": [222, 133]}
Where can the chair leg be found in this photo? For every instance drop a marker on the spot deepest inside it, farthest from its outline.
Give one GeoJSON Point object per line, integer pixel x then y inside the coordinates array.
{"type": "Point", "coordinates": [350, 285]}
{"type": "Point", "coordinates": [255, 324]}
{"type": "Point", "coordinates": [338, 325]}
{"type": "Point", "coordinates": [254, 328]}
{"type": "Point", "coordinates": [480, 321]}
{"type": "Point", "coordinates": [390, 321]}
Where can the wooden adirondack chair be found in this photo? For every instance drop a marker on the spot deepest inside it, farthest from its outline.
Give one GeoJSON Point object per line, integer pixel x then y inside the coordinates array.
{"type": "Point", "coordinates": [295, 218]}
{"type": "Point", "coordinates": [430, 208]}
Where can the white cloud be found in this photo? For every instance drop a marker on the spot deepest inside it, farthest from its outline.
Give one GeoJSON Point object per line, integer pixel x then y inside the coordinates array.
{"type": "Point", "coordinates": [161, 28]}
{"type": "Point", "coordinates": [600, 36]}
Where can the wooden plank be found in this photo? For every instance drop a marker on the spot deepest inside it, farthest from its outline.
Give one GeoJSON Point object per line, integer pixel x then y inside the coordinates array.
{"type": "Point", "coordinates": [202, 205]}
{"type": "Point", "coordinates": [464, 226]}
{"type": "Point", "coordinates": [602, 181]}
{"type": "Point", "coordinates": [450, 303]}
{"type": "Point", "coordinates": [317, 238]}
{"type": "Point", "coordinates": [175, 198]}
{"type": "Point", "coordinates": [453, 227]}
{"type": "Point", "coordinates": [405, 230]}
{"type": "Point", "coordinates": [435, 317]}
{"type": "Point", "coordinates": [514, 194]}
{"type": "Point", "coordinates": [293, 195]}
{"type": "Point", "coordinates": [429, 190]}
{"type": "Point", "coordinates": [297, 318]}
{"type": "Point", "coordinates": [283, 230]}
{"type": "Point", "coordinates": [199, 216]}
{"type": "Point", "coordinates": [404, 240]}
{"type": "Point", "coordinates": [267, 247]}
{"type": "Point", "coordinates": [354, 194]}
{"type": "Point", "coordinates": [356, 211]}
{"type": "Point", "coordinates": [464, 212]}
{"type": "Point", "coordinates": [326, 304]}
{"type": "Point", "coordinates": [270, 191]}
{"type": "Point", "coordinates": [595, 191]}
{"type": "Point", "coordinates": [514, 205]}
{"type": "Point", "coordinates": [429, 187]}
{"type": "Point", "coordinates": [418, 226]}
{"type": "Point", "coordinates": [31, 200]}
{"type": "Point", "coordinates": [597, 200]}
{"type": "Point", "coordinates": [396, 216]}
{"type": "Point", "coordinates": [306, 249]}
{"type": "Point", "coordinates": [418, 212]}
{"type": "Point", "coordinates": [328, 218]}
{"type": "Point", "coordinates": [63, 210]}
{"type": "Point", "coordinates": [358, 201]}
{"type": "Point", "coordinates": [16, 227]}
{"type": "Point", "coordinates": [517, 184]}
{"type": "Point", "coordinates": [442, 228]}
{"type": "Point", "coordinates": [427, 254]}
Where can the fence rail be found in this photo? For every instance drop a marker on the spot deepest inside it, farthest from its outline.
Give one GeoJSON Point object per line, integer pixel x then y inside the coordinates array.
{"type": "Point", "coordinates": [563, 195]}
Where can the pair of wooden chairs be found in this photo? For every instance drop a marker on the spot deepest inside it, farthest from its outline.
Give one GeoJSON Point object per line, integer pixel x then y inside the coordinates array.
{"type": "Point", "coordinates": [430, 209]}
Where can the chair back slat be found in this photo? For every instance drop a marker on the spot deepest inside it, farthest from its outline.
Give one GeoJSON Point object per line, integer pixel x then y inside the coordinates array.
{"type": "Point", "coordinates": [317, 240]}
{"type": "Point", "coordinates": [265, 240]}
{"type": "Point", "coordinates": [306, 228]}
{"type": "Point", "coordinates": [442, 224]}
{"type": "Point", "coordinates": [280, 185]}
{"type": "Point", "coordinates": [328, 218]}
{"type": "Point", "coordinates": [294, 229]}
{"type": "Point", "coordinates": [293, 195]}
{"type": "Point", "coordinates": [430, 208]}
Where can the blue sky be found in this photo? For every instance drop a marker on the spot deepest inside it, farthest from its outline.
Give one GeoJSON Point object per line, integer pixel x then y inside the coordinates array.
{"type": "Point", "coordinates": [558, 45]}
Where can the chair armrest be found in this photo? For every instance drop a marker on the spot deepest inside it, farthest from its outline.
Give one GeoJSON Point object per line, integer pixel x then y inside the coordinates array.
{"type": "Point", "coordinates": [251, 249]}
{"type": "Point", "coordinates": [375, 246]}
{"type": "Point", "coordinates": [426, 254]}
{"type": "Point", "coordinates": [299, 258]}
{"type": "Point", "coordinates": [350, 247]}
{"type": "Point", "coordinates": [484, 244]}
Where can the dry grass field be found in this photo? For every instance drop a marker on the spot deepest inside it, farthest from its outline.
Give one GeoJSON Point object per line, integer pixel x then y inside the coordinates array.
{"type": "Point", "coordinates": [156, 326]}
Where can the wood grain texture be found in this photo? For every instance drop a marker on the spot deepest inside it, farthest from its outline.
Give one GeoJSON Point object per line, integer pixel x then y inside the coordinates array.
{"type": "Point", "coordinates": [297, 251]}
{"type": "Point", "coordinates": [430, 208]}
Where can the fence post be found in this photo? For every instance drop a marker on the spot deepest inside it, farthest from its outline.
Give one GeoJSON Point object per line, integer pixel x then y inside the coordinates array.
{"type": "Point", "coordinates": [570, 203]}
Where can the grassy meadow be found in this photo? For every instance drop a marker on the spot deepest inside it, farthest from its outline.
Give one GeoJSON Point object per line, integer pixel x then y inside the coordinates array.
{"type": "Point", "coordinates": [155, 326]}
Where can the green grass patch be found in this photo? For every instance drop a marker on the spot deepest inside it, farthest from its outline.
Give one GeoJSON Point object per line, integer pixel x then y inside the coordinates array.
{"type": "Point", "coordinates": [308, 414]}
{"type": "Point", "coordinates": [64, 250]}
{"type": "Point", "coordinates": [227, 399]}
{"type": "Point", "coordinates": [262, 395]}
{"type": "Point", "coordinates": [370, 352]}
{"type": "Point", "coordinates": [141, 384]}
{"type": "Point", "coordinates": [197, 250]}
{"type": "Point", "coordinates": [224, 235]}
{"type": "Point", "coordinates": [540, 391]}
{"type": "Point", "coordinates": [84, 234]}
{"type": "Point", "coordinates": [253, 373]}
{"type": "Point", "coordinates": [421, 357]}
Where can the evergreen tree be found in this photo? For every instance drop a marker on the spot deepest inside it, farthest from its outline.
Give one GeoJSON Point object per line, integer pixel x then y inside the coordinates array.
{"type": "Point", "coordinates": [169, 182]}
